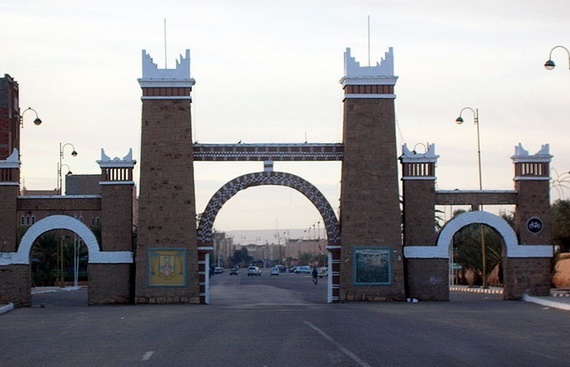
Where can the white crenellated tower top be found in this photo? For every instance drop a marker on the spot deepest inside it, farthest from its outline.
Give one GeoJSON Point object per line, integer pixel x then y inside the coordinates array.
{"type": "Point", "coordinates": [380, 74]}
{"type": "Point", "coordinates": [154, 77]}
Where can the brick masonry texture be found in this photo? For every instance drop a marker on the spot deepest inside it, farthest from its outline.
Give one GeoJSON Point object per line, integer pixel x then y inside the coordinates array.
{"type": "Point", "coordinates": [419, 207]}
{"type": "Point", "coordinates": [534, 201]}
{"type": "Point", "coordinates": [427, 279]}
{"type": "Point", "coordinates": [8, 218]}
{"type": "Point", "coordinates": [167, 213]}
{"type": "Point", "coordinates": [370, 212]}
{"type": "Point", "coordinates": [110, 283]}
{"type": "Point", "coordinates": [15, 285]}
{"type": "Point", "coordinates": [526, 276]}
{"type": "Point", "coordinates": [116, 216]}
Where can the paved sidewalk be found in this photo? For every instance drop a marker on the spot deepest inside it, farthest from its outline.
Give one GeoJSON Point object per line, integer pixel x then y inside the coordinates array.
{"type": "Point", "coordinates": [558, 299]}
{"type": "Point", "coordinates": [38, 290]}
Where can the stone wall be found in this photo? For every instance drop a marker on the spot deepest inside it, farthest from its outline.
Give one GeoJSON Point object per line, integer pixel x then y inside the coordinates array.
{"type": "Point", "coordinates": [110, 283]}
{"type": "Point", "coordinates": [427, 279]}
{"type": "Point", "coordinates": [15, 285]}
{"type": "Point", "coordinates": [526, 276]}
{"type": "Point", "coordinates": [419, 213]}
{"type": "Point", "coordinates": [167, 212]}
{"type": "Point", "coordinates": [8, 218]}
{"type": "Point", "coordinates": [370, 210]}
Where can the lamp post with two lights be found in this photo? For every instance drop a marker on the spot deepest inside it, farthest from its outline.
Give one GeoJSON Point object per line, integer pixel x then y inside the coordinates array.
{"type": "Point", "coordinates": [60, 164]}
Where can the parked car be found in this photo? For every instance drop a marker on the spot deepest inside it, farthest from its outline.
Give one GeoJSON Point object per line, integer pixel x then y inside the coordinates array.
{"type": "Point", "coordinates": [253, 271]}
{"type": "Point", "coordinates": [275, 270]}
{"type": "Point", "coordinates": [218, 270]}
{"type": "Point", "coordinates": [234, 270]}
{"type": "Point", "coordinates": [303, 269]}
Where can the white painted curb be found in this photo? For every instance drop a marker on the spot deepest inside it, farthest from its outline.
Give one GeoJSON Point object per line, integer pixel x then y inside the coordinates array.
{"type": "Point", "coordinates": [546, 302]}
{"type": "Point", "coordinates": [6, 308]}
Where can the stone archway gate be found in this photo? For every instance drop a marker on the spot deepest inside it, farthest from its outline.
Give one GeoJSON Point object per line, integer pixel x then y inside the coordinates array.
{"type": "Point", "coordinates": [269, 153]}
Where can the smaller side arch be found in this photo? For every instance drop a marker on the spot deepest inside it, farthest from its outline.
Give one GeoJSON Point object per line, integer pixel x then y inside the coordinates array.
{"type": "Point", "coordinates": [464, 219]}
{"type": "Point", "coordinates": [513, 248]}
{"type": "Point", "coordinates": [54, 222]}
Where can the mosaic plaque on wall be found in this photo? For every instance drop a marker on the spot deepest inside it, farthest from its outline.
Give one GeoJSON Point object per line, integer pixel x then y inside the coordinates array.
{"type": "Point", "coordinates": [167, 267]}
{"type": "Point", "coordinates": [372, 266]}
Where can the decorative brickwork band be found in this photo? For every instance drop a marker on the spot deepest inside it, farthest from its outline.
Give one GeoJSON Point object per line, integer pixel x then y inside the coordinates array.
{"type": "Point", "coordinates": [166, 92]}
{"type": "Point", "coordinates": [268, 152]}
{"type": "Point", "coordinates": [369, 89]}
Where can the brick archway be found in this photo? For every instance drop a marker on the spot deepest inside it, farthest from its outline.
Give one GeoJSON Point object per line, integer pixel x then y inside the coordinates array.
{"type": "Point", "coordinates": [231, 188]}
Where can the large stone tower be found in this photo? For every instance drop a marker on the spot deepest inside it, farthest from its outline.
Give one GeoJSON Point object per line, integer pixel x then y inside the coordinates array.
{"type": "Point", "coordinates": [371, 263]}
{"type": "Point", "coordinates": [166, 254]}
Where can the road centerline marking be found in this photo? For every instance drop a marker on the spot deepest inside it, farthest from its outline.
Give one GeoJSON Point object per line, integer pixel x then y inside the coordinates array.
{"type": "Point", "coordinates": [147, 355]}
{"type": "Point", "coordinates": [353, 356]}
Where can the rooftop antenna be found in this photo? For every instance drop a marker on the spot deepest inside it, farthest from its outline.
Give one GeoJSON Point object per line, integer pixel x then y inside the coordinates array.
{"type": "Point", "coordinates": [165, 56]}
{"type": "Point", "coordinates": [369, 40]}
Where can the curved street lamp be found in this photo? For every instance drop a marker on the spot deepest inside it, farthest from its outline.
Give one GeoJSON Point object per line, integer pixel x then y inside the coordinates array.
{"type": "Point", "coordinates": [549, 64]}
{"type": "Point", "coordinates": [59, 166]}
{"type": "Point", "coordinates": [37, 120]}
{"type": "Point", "coordinates": [459, 121]}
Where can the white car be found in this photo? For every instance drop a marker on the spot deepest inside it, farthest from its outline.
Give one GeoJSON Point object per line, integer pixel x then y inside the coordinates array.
{"type": "Point", "coordinates": [275, 270]}
{"type": "Point", "coordinates": [303, 269]}
{"type": "Point", "coordinates": [253, 271]}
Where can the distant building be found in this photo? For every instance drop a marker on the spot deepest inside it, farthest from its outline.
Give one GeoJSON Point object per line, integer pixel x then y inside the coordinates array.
{"type": "Point", "coordinates": [75, 186]}
{"type": "Point", "coordinates": [295, 247]}
{"type": "Point", "coordinates": [268, 253]}
{"type": "Point", "coordinates": [223, 249]}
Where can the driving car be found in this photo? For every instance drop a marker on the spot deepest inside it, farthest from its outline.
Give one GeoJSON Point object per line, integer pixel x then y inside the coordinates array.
{"type": "Point", "coordinates": [218, 270]}
{"type": "Point", "coordinates": [234, 271]}
{"type": "Point", "coordinates": [253, 271]}
{"type": "Point", "coordinates": [275, 270]}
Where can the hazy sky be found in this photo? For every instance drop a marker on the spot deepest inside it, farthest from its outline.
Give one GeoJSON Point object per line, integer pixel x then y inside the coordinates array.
{"type": "Point", "coordinates": [268, 71]}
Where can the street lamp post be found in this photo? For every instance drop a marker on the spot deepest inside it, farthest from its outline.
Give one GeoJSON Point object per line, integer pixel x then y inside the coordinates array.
{"type": "Point", "coordinates": [549, 64]}
{"type": "Point", "coordinates": [16, 139]}
{"type": "Point", "coordinates": [459, 121]}
{"type": "Point", "coordinates": [59, 165]}
{"type": "Point", "coordinates": [37, 120]}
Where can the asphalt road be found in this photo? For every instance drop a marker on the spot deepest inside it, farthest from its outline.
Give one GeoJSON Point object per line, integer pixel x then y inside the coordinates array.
{"type": "Point", "coordinates": [283, 321]}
